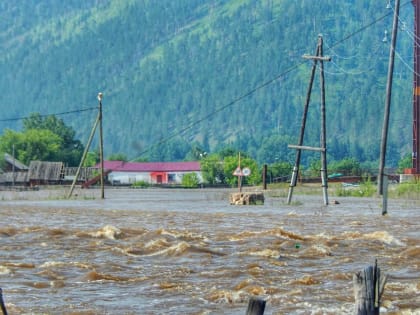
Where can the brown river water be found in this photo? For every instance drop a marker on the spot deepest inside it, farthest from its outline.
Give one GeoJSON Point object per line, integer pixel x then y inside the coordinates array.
{"type": "Point", "coordinates": [157, 251]}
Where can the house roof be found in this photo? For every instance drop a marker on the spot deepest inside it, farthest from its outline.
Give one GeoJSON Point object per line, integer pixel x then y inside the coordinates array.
{"type": "Point", "coordinates": [40, 170]}
{"type": "Point", "coordinates": [121, 166]}
{"type": "Point", "coordinates": [13, 161]}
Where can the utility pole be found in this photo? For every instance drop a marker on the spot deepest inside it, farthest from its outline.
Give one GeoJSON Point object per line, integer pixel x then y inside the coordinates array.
{"type": "Point", "coordinates": [299, 147]}
{"type": "Point", "coordinates": [101, 155]}
{"type": "Point", "coordinates": [385, 128]}
{"type": "Point", "coordinates": [13, 166]}
{"type": "Point", "coordinates": [416, 91]}
{"type": "Point", "coordinates": [101, 146]}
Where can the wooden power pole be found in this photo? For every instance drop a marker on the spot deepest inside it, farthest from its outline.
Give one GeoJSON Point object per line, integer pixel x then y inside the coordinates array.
{"type": "Point", "coordinates": [299, 147]}
{"type": "Point", "coordinates": [416, 91]}
{"type": "Point", "coordinates": [384, 137]}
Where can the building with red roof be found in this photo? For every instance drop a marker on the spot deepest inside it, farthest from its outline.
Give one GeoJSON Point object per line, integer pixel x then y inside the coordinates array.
{"type": "Point", "coordinates": [125, 173]}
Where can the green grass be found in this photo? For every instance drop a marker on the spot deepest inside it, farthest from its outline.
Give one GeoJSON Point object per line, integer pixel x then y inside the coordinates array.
{"type": "Point", "coordinates": [409, 190]}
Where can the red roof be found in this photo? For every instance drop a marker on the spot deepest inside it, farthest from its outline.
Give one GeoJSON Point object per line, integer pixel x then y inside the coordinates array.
{"type": "Point", "coordinates": [121, 166]}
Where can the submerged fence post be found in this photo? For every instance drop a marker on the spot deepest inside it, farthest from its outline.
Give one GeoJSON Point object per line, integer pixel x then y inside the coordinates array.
{"type": "Point", "coordinates": [368, 288]}
{"type": "Point", "coordinates": [385, 195]}
{"type": "Point", "coordinates": [255, 306]}
{"type": "Point", "coordinates": [3, 307]}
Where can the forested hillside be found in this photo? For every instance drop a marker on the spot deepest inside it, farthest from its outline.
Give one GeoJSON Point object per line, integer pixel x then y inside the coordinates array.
{"type": "Point", "coordinates": [208, 74]}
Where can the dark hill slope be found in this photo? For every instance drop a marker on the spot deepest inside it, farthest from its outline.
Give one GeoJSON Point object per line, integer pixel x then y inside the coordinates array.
{"type": "Point", "coordinates": [175, 73]}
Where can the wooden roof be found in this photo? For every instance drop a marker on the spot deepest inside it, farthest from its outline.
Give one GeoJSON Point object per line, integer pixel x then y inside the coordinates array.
{"type": "Point", "coordinates": [45, 171]}
{"type": "Point", "coordinates": [12, 161]}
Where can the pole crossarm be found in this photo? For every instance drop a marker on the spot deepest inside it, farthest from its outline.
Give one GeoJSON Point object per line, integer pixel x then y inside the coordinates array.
{"type": "Point", "coordinates": [318, 58]}
{"type": "Point", "coordinates": [304, 147]}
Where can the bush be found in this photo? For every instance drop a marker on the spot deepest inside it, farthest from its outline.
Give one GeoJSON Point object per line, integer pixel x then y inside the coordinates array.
{"type": "Point", "coordinates": [365, 189]}
{"type": "Point", "coordinates": [408, 190]}
{"type": "Point", "coordinates": [190, 180]}
{"type": "Point", "coordinates": [140, 184]}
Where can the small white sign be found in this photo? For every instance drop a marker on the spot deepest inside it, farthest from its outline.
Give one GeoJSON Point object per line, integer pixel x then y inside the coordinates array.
{"type": "Point", "coordinates": [246, 171]}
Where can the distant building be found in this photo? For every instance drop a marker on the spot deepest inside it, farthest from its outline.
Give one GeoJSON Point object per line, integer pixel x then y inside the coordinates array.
{"type": "Point", "coordinates": [14, 171]}
{"type": "Point", "coordinates": [127, 173]}
{"type": "Point", "coordinates": [45, 173]}
{"type": "Point", "coordinates": [12, 164]}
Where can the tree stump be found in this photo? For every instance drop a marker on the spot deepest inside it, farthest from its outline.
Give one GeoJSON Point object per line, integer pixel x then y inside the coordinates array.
{"type": "Point", "coordinates": [255, 306]}
{"type": "Point", "coordinates": [3, 307]}
{"type": "Point", "coordinates": [368, 288]}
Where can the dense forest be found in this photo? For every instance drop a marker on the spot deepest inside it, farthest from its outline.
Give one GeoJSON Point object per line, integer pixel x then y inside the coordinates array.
{"type": "Point", "coordinates": [188, 76]}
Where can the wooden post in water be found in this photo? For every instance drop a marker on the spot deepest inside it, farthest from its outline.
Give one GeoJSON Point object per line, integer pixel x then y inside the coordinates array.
{"type": "Point", "coordinates": [385, 195]}
{"type": "Point", "coordinates": [368, 288]}
{"type": "Point", "coordinates": [265, 177]}
{"type": "Point", "coordinates": [255, 306]}
{"type": "Point", "coordinates": [3, 307]}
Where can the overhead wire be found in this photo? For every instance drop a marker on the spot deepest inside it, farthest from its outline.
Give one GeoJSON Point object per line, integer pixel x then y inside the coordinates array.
{"type": "Point", "coordinates": [52, 114]}
{"type": "Point", "coordinates": [414, 39]}
{"type": "Point", "coordinates": [254, 90]}
{"type": "Point", "coordinates": [231, 103]}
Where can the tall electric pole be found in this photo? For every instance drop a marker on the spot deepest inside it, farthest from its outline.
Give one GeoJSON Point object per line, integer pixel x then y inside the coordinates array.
{"type": "Point", "coordinates": [385, 127]}
{"type": "Point", "coordinates": [416, 91]}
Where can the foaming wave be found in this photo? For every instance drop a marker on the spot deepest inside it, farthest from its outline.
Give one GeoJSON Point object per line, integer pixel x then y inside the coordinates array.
{"type": "Point", "coordinates": [156, 244]}
{"type": "Point", "coordinates": [96, 276]}
{"type": "Point", "coordinates": [182, 248]}
{"type": "Point", "coordinates": [306, 280]}
{"type": "Point", "coordinates": [60, 264]}
{"type": "Point", "coordinates": [385, 237]}
{"type": "Point", "coordinates": [272, 232]}
{"type": "Point", "coordinates": [253, 289]}
{"type": "Point", "coordinates": [108, 231]}
{"type": "Point", "coordinates": [20, 265]}
{"type": "Point", "coordinates": [228, 297]}
{"type": "Point", "coordinates": [239, 294]}
{"type": "Point", "coordinates": [8, 231]}
{"type": "Point", "coordinates": [149, 248]}
{"type": "Point", "coordinates": [184, 235]}
{"type": "Point", "coordinates": [382, 236]}
{"type": "Point", "coordinates": [266, 253]}
{"type": "Point", "coordinates": [315, 251]}
{"type": "Point", "coordinates": [411, 252]}
{"type": "Point", "coordinates": [4, 270]}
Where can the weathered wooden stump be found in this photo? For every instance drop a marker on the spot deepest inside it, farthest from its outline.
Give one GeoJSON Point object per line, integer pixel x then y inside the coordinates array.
{"type": "Point", "coordinates": [247, 198]}
{"type": "Point", "coordinates": [368, 288]}
{"type": "Point", "coordinates": [255, 306]}
{"type": "Point", "coordinates": [2, 305]}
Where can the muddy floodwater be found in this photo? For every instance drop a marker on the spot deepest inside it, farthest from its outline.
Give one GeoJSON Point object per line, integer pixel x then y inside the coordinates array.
{"type": "Point", "coordinates": [173, 251]}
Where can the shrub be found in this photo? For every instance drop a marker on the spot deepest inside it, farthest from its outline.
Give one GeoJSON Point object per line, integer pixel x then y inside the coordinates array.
{"type": "Point", "coordinates": [190, 180]}
{"type": "Point", "coordinates": [140, 184]}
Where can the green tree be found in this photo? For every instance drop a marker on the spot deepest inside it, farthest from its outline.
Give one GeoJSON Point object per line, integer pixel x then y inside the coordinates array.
{"type": "Point", "coordinates": [230, 163]}
{"type": "Point", "coordinates": [280, 170]}
{"type": "Point", "coordinates": [92, 158]}
{"type": "Point", "coordinates": [347, 166]}
{"type": "Point", "coordinates": [71, 149]}
{"type": "Point", "coordinates": [33, 144]}
{"type": "Point", "coordinates": [405, 162]}
{"type": "Point", "coordinates": [212, 169]}
{"type": "Point", "coordinates": [117, 157]}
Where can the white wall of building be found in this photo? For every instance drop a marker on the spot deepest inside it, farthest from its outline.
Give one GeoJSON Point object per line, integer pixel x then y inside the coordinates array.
{"type": "Point", "coordinates": [129, 178]}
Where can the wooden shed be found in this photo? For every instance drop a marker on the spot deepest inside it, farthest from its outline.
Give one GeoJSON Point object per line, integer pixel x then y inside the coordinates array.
{"type": "Point", "coordinates": [14, 172]}
{"type": "Point", "coordinates": [41, 172]}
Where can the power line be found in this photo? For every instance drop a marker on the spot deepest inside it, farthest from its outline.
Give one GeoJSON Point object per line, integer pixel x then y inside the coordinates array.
{"type": "Point", "coordinates": [56, 114]}
{"type": "Point", "coordinates": [259, 87]}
